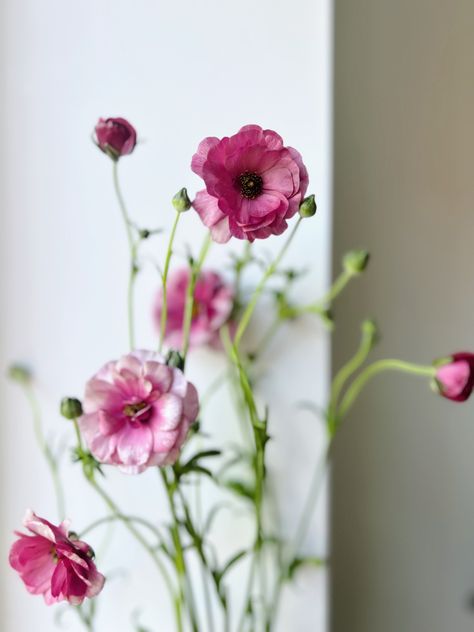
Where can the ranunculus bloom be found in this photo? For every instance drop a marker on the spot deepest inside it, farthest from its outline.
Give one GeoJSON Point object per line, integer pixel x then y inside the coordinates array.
{"type": "Point", "coordinates": [253, 184]}
{"type": "Point", "coordinates": [213, 302]}
{"type": "Point", "coordinates": [137, 412]}
{"type": "Point", "coordinates": [455, 379]}
{"type": "Point", "coordinates": [52, 564]}
{"type": "Point", "coordinates": [115, 136]}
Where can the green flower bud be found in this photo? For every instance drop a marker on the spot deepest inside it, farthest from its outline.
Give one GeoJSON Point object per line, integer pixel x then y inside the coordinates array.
{"type": "Point", "coordinates": [175, 359]}
{"type": "Point", "coordinates": [308, 207]}
{"type": "Point", "coordinates": [356, 261]}
{"type": "Point", "coordinates": [71, 408]}
{"type": "Point", "coordinates": [371, 331]}
{"type": "Point", "coordinates": [19, 373]}
{"type": "Point", "coordinates": [181, 201]}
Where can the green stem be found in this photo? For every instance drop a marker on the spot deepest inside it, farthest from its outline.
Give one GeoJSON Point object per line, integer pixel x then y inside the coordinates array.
{"type": "Point", "coordinates": [188, 310]}
{"type": "Point", "coordinates": [133, 255]}
{"type": "Point", "coordinates": [45, 449]}
{"type": "Point", "coordinates": [128, 524]}
{"type": "Point", "coordinates": [341, 377]}
{"type": "Point", "coordinates": [374, 369]}
{"type": "Point", "coordinates": [135, 519]}
{"type": "Point", "coordinates": [164, 306]}
{"type": "Point", "coordinates": [186, 596]}
{"type": "Point", "coordinates": [247, 315]}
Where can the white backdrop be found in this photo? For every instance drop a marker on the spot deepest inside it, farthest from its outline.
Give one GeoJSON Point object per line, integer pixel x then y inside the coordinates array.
{"type": "Point", "coordinates": [178, 71]}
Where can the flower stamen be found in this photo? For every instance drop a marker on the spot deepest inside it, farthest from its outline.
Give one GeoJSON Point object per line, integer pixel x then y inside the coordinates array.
{"type": "Point", "coordinates": [250, 184]}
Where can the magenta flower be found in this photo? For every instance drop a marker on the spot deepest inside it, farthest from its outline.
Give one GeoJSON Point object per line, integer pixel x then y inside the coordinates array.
{"type": "Point", "coordinates": [115, 137]}
{"type": "Point", "coordinates": [213, 302]}
{"type": "Point", "coordinates": [54, 565]}
{"type": "Point", "coordinates": [137, 412]}
{"type": "Point", "coordinates": [455, 379]}
{"type": "Point", "coordinates": [253, 184]}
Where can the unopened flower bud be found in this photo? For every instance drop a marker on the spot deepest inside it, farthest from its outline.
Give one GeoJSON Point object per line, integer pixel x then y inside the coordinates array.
{"type": "Point", "coordinates": [19, 373]}
{"type": "Point", "coordinates": [175, 360]}
{"type": "Point", "coordinates": [308, 207]}
{"type": "Point", "coordinates": [115, 137]}
{"type": "Point", "coordinates": [181, 201]}
{"type": "Point", "coordinates": [370, 330]}
{"type": "Point", "coordinates": [454, 378]}
{"type": "Point", "coordinates": [71, 408]}
{"type": "Point", "coordinates": [356, 261]}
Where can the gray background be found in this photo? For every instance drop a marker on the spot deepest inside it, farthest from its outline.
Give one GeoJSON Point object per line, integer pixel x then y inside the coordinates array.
{"type": "Point", "coordinates": [403, 479]}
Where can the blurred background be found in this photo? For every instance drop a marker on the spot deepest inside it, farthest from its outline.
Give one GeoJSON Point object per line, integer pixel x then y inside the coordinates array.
{"type": "Point", "coordinates": [402, 488]}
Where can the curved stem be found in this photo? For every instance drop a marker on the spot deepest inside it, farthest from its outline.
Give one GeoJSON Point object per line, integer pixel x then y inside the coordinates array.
{"type": "Point", "coordinates": [89, 475]}
{"type": "Point", "coordinates": [45, 449]}
{"type": "Point", "coordinates": [247, 315]}
{"type": "Point", "coordinates": [164, 306]}
{"type": "Point", "coordinates": [106, 519]}
{"type": "Point", "coordinates": [133, 255]}
{"type": "Point", "coordinates": [188, 310]}
{"type": "Point", "coordinates": [339, 284]}
{"type": "Point", "coordinates": [374, 369]}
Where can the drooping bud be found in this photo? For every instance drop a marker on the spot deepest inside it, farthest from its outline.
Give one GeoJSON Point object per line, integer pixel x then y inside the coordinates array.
{"type": "Point", "coordinates": [356, 261]}
{"type": "Point", "coordinates": [20, 373]}
{"type": "Point", "coordinates": [308, 206]}
{"type": "Point", "coordinates": [115, 137]}
{"type": "Point", "coordinates": [181, 201]}
{"type": "Point", "coordinates": [371, 331]}
{"type": "Point", "coordinates": [71, 408]}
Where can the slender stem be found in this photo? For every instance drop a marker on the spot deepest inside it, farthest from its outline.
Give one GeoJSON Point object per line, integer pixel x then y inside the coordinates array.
{"type": "Point", "coordinates": [45, 449]}
{"type": "Point", "coordinates": [341, 377]}
{"type": "Point", "coordinates": [133, 255]}
{"type": "Point", "coordinates": [374, 369]}
{"type": "Point", "coordinates": [185, 588]}
{"type": "Point", "coordinates": [164, 306]}
{"type": "Point", "coordinates": [127, 522]}
{"type": "Point", "coordinates": [188, 310]}
{"type": "Point", "coordinates": [339, 284]}
{"type": "Point", "coordinates": [112, 518]}
{"type": "Point", "coordinates": [247, 315]}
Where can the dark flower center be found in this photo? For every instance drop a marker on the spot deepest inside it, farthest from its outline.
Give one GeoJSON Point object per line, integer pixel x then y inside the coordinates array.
{"type": "Point", "coordinates": [138, 412]}
{"type": "Point", "coordinates": [250, 184]}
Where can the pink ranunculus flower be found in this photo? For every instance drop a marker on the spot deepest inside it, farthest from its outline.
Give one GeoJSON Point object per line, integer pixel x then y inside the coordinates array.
{"type": "Point", "coordinates": [455, 378]}
{"type": "Point", "coordinates": [253, 184]}
{"type": "Point", "coordinates": [213, 303]}
{"type": "Point", "coordinates": [137, 412]}
{"type": "Point", "coordinates": [54, 565]}
{"type": "Point", "coordinates": [115, 137]}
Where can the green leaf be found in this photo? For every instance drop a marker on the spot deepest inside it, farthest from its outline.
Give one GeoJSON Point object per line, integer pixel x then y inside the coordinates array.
{"type": "Point", "coordinates": [241, 489]}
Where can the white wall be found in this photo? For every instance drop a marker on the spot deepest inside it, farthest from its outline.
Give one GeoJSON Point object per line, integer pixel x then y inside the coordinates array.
{"type": "Point", "coordinates": [178, 71]}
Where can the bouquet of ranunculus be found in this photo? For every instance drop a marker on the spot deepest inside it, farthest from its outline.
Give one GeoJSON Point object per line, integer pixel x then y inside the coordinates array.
{"type": "Point", "coordinates": [140, 411]}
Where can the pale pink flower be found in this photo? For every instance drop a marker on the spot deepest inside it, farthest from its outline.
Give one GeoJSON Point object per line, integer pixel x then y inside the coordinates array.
{"type": "Point", "coordinates": [137, 412]}
{"type": "Point", "coordinates": [54, 565]}
{"type": "Point", "coordinates": [213, 303]}
{"type": "Point", "coordinates": [455, 378]}
{"type": "Point", "coordinates": [116, 137]}
{"type": "Point", "coordinates": [253, 184]}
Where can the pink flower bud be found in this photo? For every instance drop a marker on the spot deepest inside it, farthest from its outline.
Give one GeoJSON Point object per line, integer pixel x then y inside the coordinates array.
{"type": "Point", "coordinates": [455, 378]}
{"type": "Point", "coordinates": [115, 137]}
{"type": "Point", "coordinates": [254, 184]}
{"type": "Point", "coordinates": [53, 565]}
{"type": "Point", "coordinates": [137, 412]}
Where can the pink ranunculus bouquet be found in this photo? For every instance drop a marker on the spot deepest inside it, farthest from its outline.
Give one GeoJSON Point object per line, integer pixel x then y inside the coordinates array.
{"type": "Point", "coordinates": [141, 411]}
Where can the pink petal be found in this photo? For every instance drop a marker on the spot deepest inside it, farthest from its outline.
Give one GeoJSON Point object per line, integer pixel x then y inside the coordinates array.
{"type": "Point", "coordinates": [200, 156]}
{"type": "Point", "coordinates": [134, 445]}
